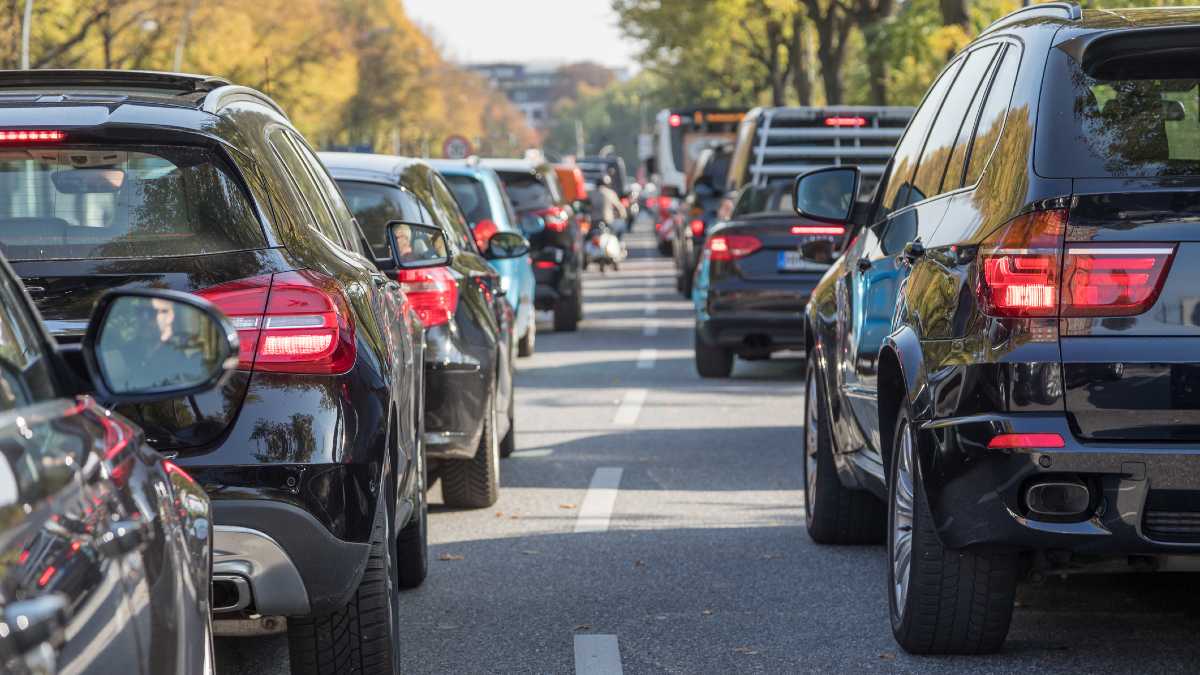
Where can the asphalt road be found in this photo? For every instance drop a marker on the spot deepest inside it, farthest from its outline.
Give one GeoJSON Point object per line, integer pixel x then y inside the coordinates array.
{"type": "Point", "coordinates": [688, 555]}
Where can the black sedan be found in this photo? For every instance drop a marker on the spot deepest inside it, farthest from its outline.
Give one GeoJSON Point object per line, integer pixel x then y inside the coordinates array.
{"type": "Point", "coordinates": [469, 350]}
{"type": "Point", "coordinates": [105, 545]}
{"type": "Point", "coordinates": [755, 277]}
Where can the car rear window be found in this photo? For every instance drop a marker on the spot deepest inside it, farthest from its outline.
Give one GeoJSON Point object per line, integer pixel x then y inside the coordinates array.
{"type": "Point", "coordinates": [472, 198]}
{"type": "Point", "coordinates": [1105, 119]}
{"type": "Point", "coordinates": [526, 191]}
{"type": "Point", "coordinates": [375, 205]}
{"type": "Point", "coordinates": [121, 202]}
{"type": "Point", "coordinates": [774, 197]}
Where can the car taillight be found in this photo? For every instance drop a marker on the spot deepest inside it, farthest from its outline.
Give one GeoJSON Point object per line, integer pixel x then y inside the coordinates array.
{"type": "Point", "coordinates": [31, 135]}
{"type": "Point", "coordinates": [483, 232]}
{"type": "Point", "coordinates": [1116, 280]}
{"type": "Point", "coordinates": [730, 246]}
{"type": "Point", "coordinates": [818, 230]}
{"type": "Point", "coordinates": [555, 218]}
{"type": "Point", "coordinates": [1027, 271]}
{"type": "Point", "coordinates": [291, 322]}
{"type": "Point", "coordinates": [697, 227]}
{"type": "Point", "coordinates": [433, 293]}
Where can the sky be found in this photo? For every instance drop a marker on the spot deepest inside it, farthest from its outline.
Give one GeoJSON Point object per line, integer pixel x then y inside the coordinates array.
{"type": "Point", "coordinates": [525, 31]}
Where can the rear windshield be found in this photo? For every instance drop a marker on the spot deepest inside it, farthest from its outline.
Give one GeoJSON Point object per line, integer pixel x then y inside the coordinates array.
{"type": "Point", "coordinates": [1141, 121]}
{"type": "Point", "coordinates": [526, 191]}
{"type": "Point", "coordinates": [472, 198]}
{"type": "Point", "coordinates": [375, 205]}
{"type": "Point", "coordinates": [126, 202]}
{"type": "Point", "coordinates": [775, 197]}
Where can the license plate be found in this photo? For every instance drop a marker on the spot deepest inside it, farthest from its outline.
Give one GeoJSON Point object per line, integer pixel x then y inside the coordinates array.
{"type": "Point", "coordinates": [793, 261]}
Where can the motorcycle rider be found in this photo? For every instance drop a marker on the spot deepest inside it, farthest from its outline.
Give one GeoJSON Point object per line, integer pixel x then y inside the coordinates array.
{"type": "Point", "coordinates": [607, 207]}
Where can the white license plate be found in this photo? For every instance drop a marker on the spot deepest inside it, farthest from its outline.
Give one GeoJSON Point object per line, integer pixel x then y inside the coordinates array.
{"type": "Point", "coordinates": [793, 261]}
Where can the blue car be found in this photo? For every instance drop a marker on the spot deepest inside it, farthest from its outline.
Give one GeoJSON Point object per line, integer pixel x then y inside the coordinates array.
{"type": "Point", "coordinates": [482, 197]}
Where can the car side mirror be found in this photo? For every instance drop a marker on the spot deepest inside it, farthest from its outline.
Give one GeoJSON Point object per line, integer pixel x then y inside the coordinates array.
{"type": "Point", "coordinates": [145, 345]}
{"type": "Point", "coordinates": [505, 245]}
{"type": "Point", "coordinates": [416, 246]}
{"type": "Point", "coordinates": [827, 194]}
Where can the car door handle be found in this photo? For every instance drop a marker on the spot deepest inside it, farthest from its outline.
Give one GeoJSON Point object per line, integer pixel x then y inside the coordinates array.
{"type": "Point", "coordinates": [123, 536]}
{"type": "Point", "coordinates": [863, 264]}
{"type": "Point", "coordinates": [30, 623]}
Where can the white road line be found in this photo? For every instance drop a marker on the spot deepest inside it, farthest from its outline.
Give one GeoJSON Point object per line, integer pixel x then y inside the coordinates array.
{"type": "Point", "coordinates": [630, 408]}
{"type": "Point", "coordinates": [646, 358]}
{"type": "Point", "coordinates": [650, 329]}
{"type": "Point", "coordinates": [597, 506]}
{"type": "Point", "coordinates": [649, 295]}
{"type": "Point", "coordinates": [597, 655]}
{"type": "Point", "coordinates": [529, 454]}
{"type": "Point", "coordinates": [651, 310]}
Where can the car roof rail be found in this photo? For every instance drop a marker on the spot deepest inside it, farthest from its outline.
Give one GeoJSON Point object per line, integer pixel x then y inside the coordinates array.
{"type": "Point", "coordinates": [1071, 11]}
{"type": "Point", "coordinates": [220, 97]}
{"type": "Point", "coordinates": [178, 83]}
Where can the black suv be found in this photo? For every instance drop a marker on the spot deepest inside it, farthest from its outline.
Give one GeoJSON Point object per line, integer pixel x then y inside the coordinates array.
{"type": "Point", "coordinates": [311, 451]}
{"type": "Point", "coordinates": [705, 205]}
{"type": "Point", "coordinates": [1005, 362]}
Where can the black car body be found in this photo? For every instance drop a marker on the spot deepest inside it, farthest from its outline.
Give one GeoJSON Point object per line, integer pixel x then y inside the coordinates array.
{"type": "Point", "coordinates": [311, 452]}
{"type": "Point", "coordinates": [1007, 353]}
{"type": "Point", "coordinates": [755, 277]}
{"type": "Point", "coordinates": [469, 346]}
{"type": "Point", "coordinates": [705, 205]}
{"type": "Point", "coordinates": [107, 546]}
{"type": "Point", "coordinates": [555, 238]}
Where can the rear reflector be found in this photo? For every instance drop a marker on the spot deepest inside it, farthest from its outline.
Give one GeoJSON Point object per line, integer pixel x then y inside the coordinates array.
{"type": "Point", "coordinates": [845, 121]}
{"type": "Point", "coordinates": [725, 247]}
{"type": "Point", "coordinates": [1010, 441]}
{"type": "Point", "coordinates": [433, 293]}
{"type": "Point", "coordinates": [1118, 280]}
{"type": "Point", "coordinates": [545, 264]}
{"type": "Point", "coordinates": [814, 230]}
{"type": "Point", "coordinates": [27, 135]}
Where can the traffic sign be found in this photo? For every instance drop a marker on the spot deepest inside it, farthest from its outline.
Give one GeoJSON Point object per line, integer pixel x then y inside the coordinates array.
{"type": "Point", "coordinates": [456, 147]}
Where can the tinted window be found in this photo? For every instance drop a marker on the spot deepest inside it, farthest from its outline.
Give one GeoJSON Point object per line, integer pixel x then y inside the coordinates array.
{"type": "Point", "coordinates": [938, 147]}
{"type": "Point", "coordinates": [962, 143]}
{"type": "Point", "coordinates": [450, 216]}
{"type": "Point", "coordinates": [895, 193]}
{"type": "Point", "coordinates": [991, 121]}
{"type": "Point", "coordinates": [329, 189]}
{"type": "Point", "coordinates": [375, 206]}
{"type": "Point", "coordinates": [1146, 122]}
{"type": "Point", "coordinates": [306, 185]}
{"type": "Point", "coordinates": [121, 202]}
{"type": "Point", "coordinates": [526, 191]}
{"type": "Point", "coordinates": [775, 197]}
{"type": "Point", "coordinates": [472, 197]}
{"type": "Point", "coordinates": [24, 371]}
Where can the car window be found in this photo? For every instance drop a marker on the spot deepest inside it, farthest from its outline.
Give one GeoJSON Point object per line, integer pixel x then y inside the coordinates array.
{"type": "Point", "coordinates": [895, 193]}
{"type": "Point", "coordinates": [375, 205]}
{"type": "Point", "coordinates": [25, 375]}
{"type": "Point", "coordinates": [472, 197]}
{"type": "Point", "coordinates": [451, 216]}
{"type": "Point", "coordinates": [306, 185]}
{"type": "Point", "coordinates": [927, 180]}
{"type": "Point", "coordinates": [991, 119]}
{"type": "Point", "coordinates": [526, 191]}
{"type": "Point", "coordinates": [956, 166]}
{"type": "Point", "coordinates": [329, 190]}
{"type": "Point", "coordinates": [122, 202]}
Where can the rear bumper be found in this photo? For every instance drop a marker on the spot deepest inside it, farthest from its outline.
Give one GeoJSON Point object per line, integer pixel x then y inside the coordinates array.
{"type": "Point", "coordinates": [752, 332]}
{"type": "Point", "coordinates": [456, 389]}
{"type": "Point", "coordinates": [553, 283]}
{"type": "Point", "coordinates": [976, 495]}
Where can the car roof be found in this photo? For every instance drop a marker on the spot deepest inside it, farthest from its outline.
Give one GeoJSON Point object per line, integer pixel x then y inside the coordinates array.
{"type": "Point", "coordinates": [368, 166]}
{"type": "Point", "coordinates": [517, 165]}
{"type": "Point", "coordinates": [1140, 17]}
{"type": "Point", "coordinates": [458, 167]}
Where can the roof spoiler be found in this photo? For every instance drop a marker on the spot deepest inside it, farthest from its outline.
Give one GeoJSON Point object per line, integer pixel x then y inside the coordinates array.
{"type": "Point", "coordinates": [1071, 11]}
{"type": "Point", "coordinates": [181, 83]}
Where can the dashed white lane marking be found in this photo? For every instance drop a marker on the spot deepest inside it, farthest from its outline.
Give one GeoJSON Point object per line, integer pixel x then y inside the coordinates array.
{"type": "Point", "coordinates": [649, 295]}
{"type": "Point", "coordinates": [530, 454]}
{"type": "Point", "coordinates": [651, 310]}
{"type": "Point", "coordinates": [646, 358]}
{"type": "Point", "coordinates": [597, 506]}
{"type": "Point", "coordinates": [597, 655]}
{"type": "Point", "coordinates": [650, 329]}
{"type": "Point", "coordinates": [630, 408]}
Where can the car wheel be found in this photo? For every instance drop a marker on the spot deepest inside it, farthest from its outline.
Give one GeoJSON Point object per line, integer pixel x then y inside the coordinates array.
{"type": "Point", "coordinates": [711, 360]}
{"type": "Point", "coordinates": [508, 444]}
{"type": "Point", "coordinates": [566, 315]}
{"type": "Point", "coordinates": [363, 636]}
{"type": "Point", "coordinates": [475, 483]}
{"type": "Point", "coordinates": [412, 545]}
{"type": "Point", "coordinates": [833, 513]}
{"type": "Point", "coordinates": [942, 601]}
{"type": "Point", "coordinates": [525, 346]}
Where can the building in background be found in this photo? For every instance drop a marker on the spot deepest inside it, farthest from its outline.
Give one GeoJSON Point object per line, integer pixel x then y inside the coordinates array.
{"type": "Point", "coordinates": [531, 88]}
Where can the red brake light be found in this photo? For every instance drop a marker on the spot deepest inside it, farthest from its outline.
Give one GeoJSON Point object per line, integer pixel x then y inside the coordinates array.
{"type": "Point", "coordinates": [675, 120]}
{"type": "Point", "coordinates": [47, 575]}
{"type": "Point", "coordinates": [1020, 265]}
{"type": "Point", "coordinates": [1010, 441]}
{"type": "Point", "coordinates": [725, 247]}
{"type": "Point", "coordinates": [433, 293]}
{"type": "Point", "coordinates": [1118, 280]}
{"type": "Point", "coordinates": [555, 218]}
{"type": "Point", "coordinates": [816, 230]}
{"type": "Point", "coordinates": [27, 135]}
{"type": "Point", "coordinates": [845, 121]}
{"type": "Point", "coordinates": [483, 231]}
{"type": "Point", "coordinates": [545, 264]}
{"type": "Point", "coordinates": [697, 227]}
{"type": "Point", "coordinates": [292, 322]}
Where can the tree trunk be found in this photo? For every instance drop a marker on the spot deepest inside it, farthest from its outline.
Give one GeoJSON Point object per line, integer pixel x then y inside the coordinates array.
{"type": "Point", "coordinates": [798, 54]}
{"type": "Point", "coordinates": [877, 72]}
{"type": "Point", "coordinates": [954, 12]}
{"type": "Point", "coordinates": [831, 52]}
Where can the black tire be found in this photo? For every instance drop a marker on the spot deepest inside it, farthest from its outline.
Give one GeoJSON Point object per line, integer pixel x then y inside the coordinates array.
{"type": "Point", "coordinates": [833, 513]}
{"type": "Point", "coordinates": [412, 544]}
{"type": "Point", "coordinates": [527, 344]}
{"type": "Point", "coordinates": [508, 444]}
{"type": "Point", "coordinates": [475, 483]}
{"type": "Point", "coordinates": [957, 601]}
{"type": "Point", "coordinates": [364, 636]}
{"type": "Point", "coordinates": [711, 360]}
{"type": "Point", "coordinates": [566, 315]}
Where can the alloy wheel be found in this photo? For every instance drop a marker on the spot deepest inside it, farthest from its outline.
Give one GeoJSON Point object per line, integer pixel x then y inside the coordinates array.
{"type": "Point", "coordinates": [902, 518]}
{"type": "Point", "coordinates": [811, 436]}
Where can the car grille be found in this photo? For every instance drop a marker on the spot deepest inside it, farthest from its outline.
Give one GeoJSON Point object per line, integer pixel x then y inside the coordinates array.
{"type": "Point", "coordinates": [1172, 515]}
